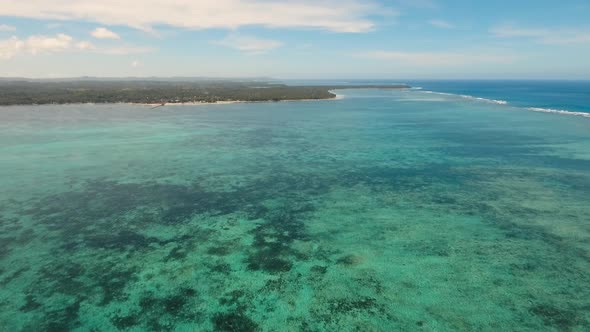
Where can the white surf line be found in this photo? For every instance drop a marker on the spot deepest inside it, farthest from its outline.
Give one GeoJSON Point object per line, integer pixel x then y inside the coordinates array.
{"type": "Point", "coordinates": [554, 111]}
{"type": "Point", "coordinates": [503, 102]}
{"type": "Point", "coordinates": [492, 101]}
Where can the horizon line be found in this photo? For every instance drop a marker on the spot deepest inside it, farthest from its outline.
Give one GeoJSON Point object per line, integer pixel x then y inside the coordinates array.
{"type": "Point", "coordinates": [5, 78]}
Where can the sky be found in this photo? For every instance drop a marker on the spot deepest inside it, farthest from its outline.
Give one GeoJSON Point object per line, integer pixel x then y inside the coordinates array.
{"type": "Point", "coordinates": [298, 39]}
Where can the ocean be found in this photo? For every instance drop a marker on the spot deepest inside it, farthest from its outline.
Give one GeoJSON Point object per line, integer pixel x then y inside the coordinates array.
{"type": "Point", "coordinates": [460, 206]}
{"type": "Point", "coordinates": [552, 96]}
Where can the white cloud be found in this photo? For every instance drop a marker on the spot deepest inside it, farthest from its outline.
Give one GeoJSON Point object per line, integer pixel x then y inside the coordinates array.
{"type": "Point", "coordinates": [10, 47]}
{"type": "Point", "coordinates": [332, 15]}
{"type": "Point", "coordinates": [441, 24]}
{"type": "Point", "coordinates": [35, 45]}
{"type": "Point", "coordinates": [438, 58]}
{"type": "Point", "coordinates": [40, 44]}
{"type": "Point", "coordinates": [136, 64]}
{"type": "Point", "coordinates": [543, 35]}
{"type": "Point", "coordinates": [7, 28]}
{"type": "Point", "coordinates": [104, 33]}
{"type": "Point", "coordinates": [248, 44]}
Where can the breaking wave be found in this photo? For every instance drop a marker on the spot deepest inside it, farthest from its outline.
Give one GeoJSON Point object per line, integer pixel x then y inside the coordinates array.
{"type": "Point", "coordinates": [503, 102]}
{"type": "Point", "coordinates": [564, 112]}
{"type": "Point", "coordinates": [492, 101]}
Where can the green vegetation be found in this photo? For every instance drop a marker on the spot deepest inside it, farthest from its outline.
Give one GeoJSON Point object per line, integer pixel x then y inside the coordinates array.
{"type": "Point", "coordinates": [25, 92]}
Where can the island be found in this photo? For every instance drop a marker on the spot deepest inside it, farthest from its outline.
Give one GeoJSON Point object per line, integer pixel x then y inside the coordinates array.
{"type": "Point", "coordinates": [160, 92]}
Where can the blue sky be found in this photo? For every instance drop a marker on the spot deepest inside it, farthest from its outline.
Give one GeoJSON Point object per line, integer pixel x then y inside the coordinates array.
{"type": "Point", "coordinates": [394, 39]}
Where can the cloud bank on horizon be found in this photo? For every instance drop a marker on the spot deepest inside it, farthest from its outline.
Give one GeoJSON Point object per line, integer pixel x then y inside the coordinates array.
{"type": "Point", "coordinates": [338, 16]}
{"type": "Point", "coordinates": [299, 38]}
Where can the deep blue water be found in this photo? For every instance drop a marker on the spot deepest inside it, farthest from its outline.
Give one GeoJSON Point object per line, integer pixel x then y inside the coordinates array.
{"type": "Point", "coordinates": [561, 95]}
{"type": "Point", "coordinates": [557, 95]}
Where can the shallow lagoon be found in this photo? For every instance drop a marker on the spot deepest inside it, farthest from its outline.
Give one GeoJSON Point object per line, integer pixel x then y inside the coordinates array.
{"type": "Point", "coordinates": [380, 211]}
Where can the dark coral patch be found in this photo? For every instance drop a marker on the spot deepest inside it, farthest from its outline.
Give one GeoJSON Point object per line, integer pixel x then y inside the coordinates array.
{"type": "Point", "coordinates": [264, 260]}
{"type": "Point", "coordinates": [346, 305]}
{"type": "Point", "coordinates": [161, 313]}
{"type": "Point", "coordinates": [112, 281]}
{"type": "Point", "coordinates": [221, 250]}
{"type": "Point", "coordinates": [6, 245]}
{"type": "Point", "coordinates": [65, 319]}
{"type": "Point", "coordinates": [13, 276]}
{"type": "Point", "coordinates": [119, 240]}
{"type": "Point", "coordinates": [319, 269]}
{"type": "Point", "coordinates": [30, 304]}
{"type": "Point", "coordinates": [350, 260]}
{"type": "Point", "coordinates": [175, 305]}
{"type": "Point", "coordinates": [232, 298]}
{"type": "Point", "coordinates": [125, 322]}
{"type": "Point", "coordinates": [272, 241]}
{"type": "Point", "coordinates": [234, 322]}
{"type": "Point", "coordinates": [561, 319]}
{"type": "Point", "coordinates": [177, 253]}
{"type": "Point", "coordinates": [223, 268]}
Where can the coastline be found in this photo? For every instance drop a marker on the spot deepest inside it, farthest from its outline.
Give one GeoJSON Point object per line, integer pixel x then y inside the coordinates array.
{"type": "Point", "coordinates": [229, 102]}
{"type": "Point", "coordinates": [191, 103]}
{"type": "Point", "coordinates": [335, 96]}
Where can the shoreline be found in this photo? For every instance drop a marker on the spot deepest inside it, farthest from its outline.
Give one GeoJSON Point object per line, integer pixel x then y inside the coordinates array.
{"type": "Point", "coordinates": [229, 102]}
{"type": "Point", "coordinates": [191, 103]}
{"type": "Point", "coordinates": [336, 96]}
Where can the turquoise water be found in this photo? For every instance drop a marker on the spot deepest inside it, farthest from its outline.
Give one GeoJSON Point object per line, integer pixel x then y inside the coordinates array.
{"type": "Point", "coordinates": [380, 211]}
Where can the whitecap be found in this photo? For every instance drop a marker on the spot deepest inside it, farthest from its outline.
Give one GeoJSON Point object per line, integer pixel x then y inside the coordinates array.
{"type": "Point", "coordinates": [554, 111]}
{"type": "Point", "coordinates": [438, 93]}
{"type": "Point", "coordinates": [504, 102]}
{"type": "Point", "coordinates": [493, 101]}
